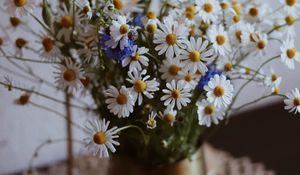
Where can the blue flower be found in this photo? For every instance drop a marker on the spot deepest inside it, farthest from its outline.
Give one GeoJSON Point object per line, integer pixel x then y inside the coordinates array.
{"type": "Point", "coordinates": [117, 54]}
{"type": "Point", "coordinates": [137, 20]}
{"type": "Point", "coordinates": [206, 78]}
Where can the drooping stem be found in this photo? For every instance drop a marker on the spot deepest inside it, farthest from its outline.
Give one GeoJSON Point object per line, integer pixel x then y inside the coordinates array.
{"type": "Point", "coordinates": [70, 161]}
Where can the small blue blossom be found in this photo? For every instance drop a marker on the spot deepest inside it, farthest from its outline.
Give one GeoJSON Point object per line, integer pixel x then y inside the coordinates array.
{"type": "Point", "coordinates": [137, 21]}
{"type": "Point", "coordinates": [206, 78]}
{"type": "Point", "coordinates": [117, 54]}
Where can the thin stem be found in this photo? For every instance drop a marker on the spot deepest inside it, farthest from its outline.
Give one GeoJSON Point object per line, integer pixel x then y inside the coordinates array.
{"type": "Point", "coordinates": [30, 60]}
{"type": "Point", "coordinates": [253, 102]}
{"type": "Point", "coordinates": [58, 114]}
{"type": "Point", "coordinates": [280, 26]}
{"type": "Point", "coordinates": [69, 134]}
{"type": "Point", "coordinates": [135, 127]}
{"type": "Point", "coordinates": [43, 95]}
{"type": "Point", "coordinates": [42, 24]}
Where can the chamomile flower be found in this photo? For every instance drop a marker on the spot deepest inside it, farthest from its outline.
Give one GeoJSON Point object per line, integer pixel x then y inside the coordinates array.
{"type": "Point", "coordinates": [197, 55]}
{"type": "Point", "coordinates": [255, 12]}
{"type": "Point", "coordinates": [137, 59]}
{"type": "Point", "coordinates": [169, 115]}
{"type": "Point", "coordinates": [119, 102]}
{"type": "Point", "coordinates": [171, 37]}
{"type": "Point", "coordinates": [235, 34]}
{"type": "Point", "coordinates": [150, 17]}
{"type": "Point", "coordinates": [219, 91]}
{"type": "Point", "coordinates": [273, 80]}
{"type": "Point", "coordinates": [151, 27]}
{"type": "Point", "coordinates": [289, 54]}
{"type": "Point", "coordinates": [101, 139]}
{"type": "Point", "coordinates": [289, 22]}
{"type": "Point", "coordinates": [128, 6]}
{"type": "Point", "coordinates": [208, 113]}
{"type": "Point", "coordinates": [67, 21]}
{"type": "Point", "coordinates": [208, 10]}
{"type": "Point", "coordinates": [49, 47]}
{"type": "Point", "coordinates": [293, 101]}
{"type": "Point", "coordinates": [191, 79]}
{"type": "Point", "coordinates": [20, 44]}
{"type": "Point", "coordinates": [170, 69]}
{"type": "Point", "coordinates": [85, 8]}
{"type": "Point", "coordinates": [119, 30]}
{"type": "Point", "coordinates": [151, 122]}
{"type": "Point", "coordinates": [226, 64]}
{"type": "Point", "coordinates": [176, 95]}
{"type": "Point", "coordinates": [141, 85]}
{"type": "Point", "coordinates": [291, 6]}
{"type": "Point", "coordinates": [218, 36]}
{"type": "Point", "coordinates": [19, 7]}
{"type": "Point", "coordinates": [69, 75]}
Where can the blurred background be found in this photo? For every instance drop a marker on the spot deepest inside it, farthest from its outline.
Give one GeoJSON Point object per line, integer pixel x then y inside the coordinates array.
{"type": "Point", "coordinates": [264, 132]}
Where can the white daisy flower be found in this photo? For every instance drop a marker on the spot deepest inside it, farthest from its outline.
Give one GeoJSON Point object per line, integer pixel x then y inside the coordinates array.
{"type": "Point", "coordinates": [150, 17]}
{"type": "Point", "coordinates": [151, 27]}
{"type": "Point", "coordinates": [101, 139]}
{"type": "Point", "coordinates": [19, 7]}
{"type": "Point", "coordinates": [20, 44]}
{"type": "Point", "coordinates": [273, 80]}
{"type": "Point", "coordinates": [119, 30]}
{"type": "Point", "coordinates": [208, 113]}
{"type": "Point", "coordinates": [197, 56]}
{"type": "Point", "coordinates": [151, 122]}
{"type": "Point", "coordinates": [170, 69]}
{"type": "Point", "coordinates": [218, 36]}
{"type": "Point", "coordinates": [226, 64]}
{"type": "Point", "coordinates": [49, 47]}
{"type": "Point", "coordinates": [256, 12]}
{"type": "Point", "coordinates": [141, 85]}
{"type": "Point", "coordinates": [119, 102]}
{"type": "Point", "coordinates": [289, 22]}
{"type": "Point", "coordinates": [293, 101]}
{"type": "Point", "coordinates": [208, 10]}
{"type": "Point", "coordinates": [235, 34]}
{"type": "Point", "coordinates": [69, 75]}
{"type": "Point", "coordinates": [171, 37]}
{"type": "Point", "coordinates": [128, 6]}
{"type": "Point", "coordinates": [289, 54]}
{"type": "Point", "coordinates": [137, 59]}
{"type": "Point", "coordinates": [85, 7]}
{"type": "Point", "coordinates": [66, 20]}
{"type": "Point", "coordinates": [176, 95]}
{"type": "Point", "coordinates": [191, 79]}
{"type": "Point", "coordinates": [291, 6]}
{"type": "Point", "coordinates": [169, 115]}
{"type": "Point", "coordinates": [219, 91]}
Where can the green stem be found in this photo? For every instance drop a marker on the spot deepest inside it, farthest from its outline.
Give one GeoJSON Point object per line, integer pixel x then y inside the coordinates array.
{"type": "Point", "coordinates": [138, 128]}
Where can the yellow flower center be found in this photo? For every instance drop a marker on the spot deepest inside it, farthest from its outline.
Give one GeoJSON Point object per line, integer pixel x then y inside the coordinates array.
{"type": "Point", "coordinates": [176, 94]}
{"type": "Point", "coordinates": [236, 18]}
{"type": "Point", "coordinates": [20, 3]}
{"type": "Point", "coordinates": [85, 9]}
{"type": "Point", "coordinates": [224, 5]}
{"type": "Point", "coordinates": [151, 15]}
{"type": "Point", "coordinates": [290, 20]}
{"type": "Point", "coordinates": [118, 4]}
{"type": "Point", "coordinates": [23, 100]}
{"type": "Point", "coordinates": [291, 53]}
{"type": "Point", "coordinates": [136, 57]}
{"type": "Point", "coordinates": [85, 81]}
{"type": "Point", "coordinates": [151, 28]}
{"type": "Point", "coordinates": [171, 39]}
{"type": "Point", "coordinates": [238, 35]}
{"type": "Point", "coordinates": [290, 2]}
{"type": "Point", "coordinates": [191, 8]}
{"type": "Point", "coordinates": [123, 29]}
{"type": "Point", "coordinates": [20, 43]}
{"type": "Point", "coordinates": [188, 77]}
{"type": "Point", "coordinates": [1, 41]}
{"type": "Point", "coordinates": [192, 30]}
{"type": "Point", "coordinates": [100, 138]}
{"type": "Point", "coordinates": [228, 67]}
{"type": "Point", "coordinates": [219, 91]}
{"type": "Point", "coordinates": [208, 7]}
{"type": "Point", "coordinates": [208, 110]}
{"type": "Point", "coordinates": [69, 75]}
{"type": "Point", "coordinates": [220, 39]}
{"type": "Point", "coordinates": [14, 21]}
{"type": "Point", "coordinates": [66, 21]}
{"type": "Point", "coordinates": [48, 44]}
{"type": "Point", "coordinates": [190, 15]}
{"type": "Point", "coordinates": [122, 99]}
{"type": "Point", "coordinates": [169, 118]}
{"type": "Point", "coordinates": [247, 71]}
{"type": "Point", "coordinates": [297, 101]}
{"type": "Point", "coordinates": [195, 56]}
{"type": "Point", "coordinates": [140, 86]}
{"type": "Point", "coordinates": [174, 69]}
{"type": "Point", "coordinates": [274, 77]}
{"type": "Point", "coordinates": [261, 45]}
{"type": "Point", "coordinates": [253, 12]}
{"type": "Point", "coordinates": [276, 91]}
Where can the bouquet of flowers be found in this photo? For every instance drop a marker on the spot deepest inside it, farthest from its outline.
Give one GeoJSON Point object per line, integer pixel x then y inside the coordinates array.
{"type": "Point", "coordinates": [161, 79]}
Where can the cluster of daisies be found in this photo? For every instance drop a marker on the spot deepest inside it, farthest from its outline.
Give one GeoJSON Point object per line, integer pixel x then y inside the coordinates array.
{"type": "Point", "coordinates": [187, 55]}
